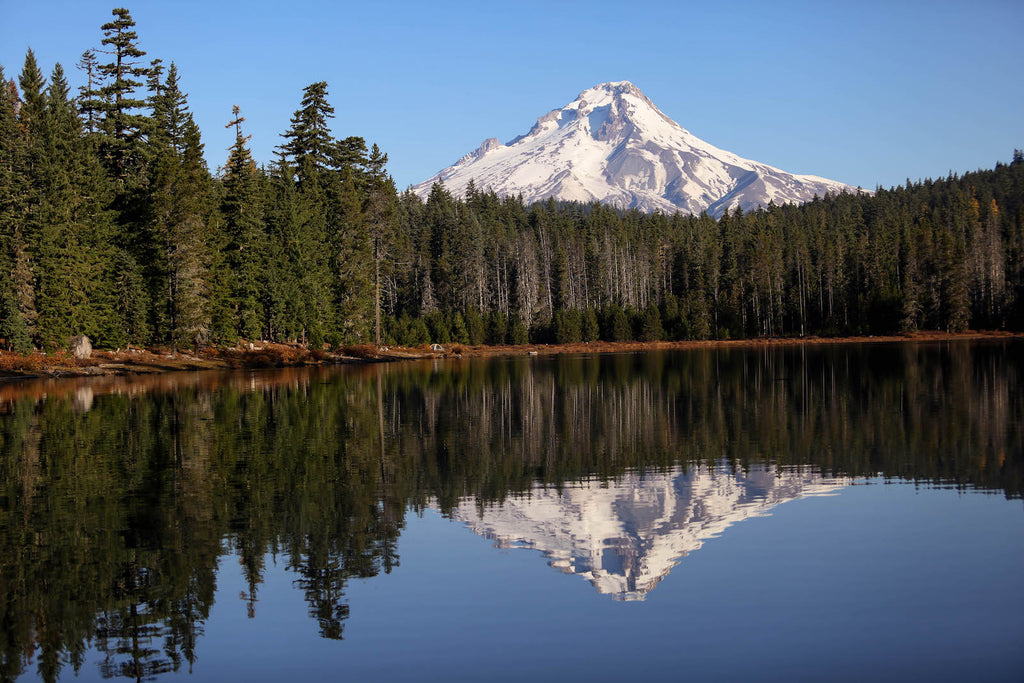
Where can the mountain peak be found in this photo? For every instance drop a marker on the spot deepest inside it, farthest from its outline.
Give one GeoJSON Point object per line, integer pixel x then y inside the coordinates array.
{"type": "Point", "coordinates": [613, 88]}
{"type": "Point", "coordinates": [613, 145]}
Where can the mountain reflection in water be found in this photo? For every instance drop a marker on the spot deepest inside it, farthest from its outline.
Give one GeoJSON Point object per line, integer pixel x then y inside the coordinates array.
{"type": "Point", "coordinates": [120, 498]}
{"type": "Point", "coordinates": [625, 536]}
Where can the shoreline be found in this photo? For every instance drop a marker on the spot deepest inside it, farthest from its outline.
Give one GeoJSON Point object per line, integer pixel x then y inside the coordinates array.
{"type": "Point", "coordinates": [135, 361]}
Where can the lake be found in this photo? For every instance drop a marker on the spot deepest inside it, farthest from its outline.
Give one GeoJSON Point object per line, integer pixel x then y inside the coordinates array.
{"type": "Point", "coordinates": [832, 512]}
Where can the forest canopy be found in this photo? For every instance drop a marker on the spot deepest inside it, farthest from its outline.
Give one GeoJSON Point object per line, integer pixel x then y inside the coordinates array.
{"type": "Point", "coordinates": [112, 225]}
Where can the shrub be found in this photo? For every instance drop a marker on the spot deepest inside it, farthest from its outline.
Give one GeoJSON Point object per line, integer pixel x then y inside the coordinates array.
{"type": "Point", "coordinates": [518, 334]}
{"type": "Point", "coordinates": [475, 327]}
{"type": "Point", "coordinates": [567, 327]}
{"type": "Point", "coordinates": [497, 328]}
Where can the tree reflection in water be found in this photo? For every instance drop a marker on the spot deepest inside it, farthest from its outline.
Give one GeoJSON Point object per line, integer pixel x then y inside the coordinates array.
{"type": "Point", "coordinates": [119, 497]}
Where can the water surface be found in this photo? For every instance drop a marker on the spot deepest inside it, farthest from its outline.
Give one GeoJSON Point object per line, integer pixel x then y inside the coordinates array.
{"type": "Point", "coordinates": [769, 514]}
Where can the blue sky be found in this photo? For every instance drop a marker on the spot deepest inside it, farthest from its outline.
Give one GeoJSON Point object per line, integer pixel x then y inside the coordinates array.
{"type": "Point", "coordinates": [865, 93]}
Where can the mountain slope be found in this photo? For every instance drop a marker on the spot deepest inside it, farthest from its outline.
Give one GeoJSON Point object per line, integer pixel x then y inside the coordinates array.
{"type": "Point", "coordinates": [614, 146]}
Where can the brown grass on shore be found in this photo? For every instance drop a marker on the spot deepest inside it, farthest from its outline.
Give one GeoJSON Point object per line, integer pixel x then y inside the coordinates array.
{"type": "Point", "coordinates": [757, 342]}
{"type": "Point", "coordinates": [270, 355]}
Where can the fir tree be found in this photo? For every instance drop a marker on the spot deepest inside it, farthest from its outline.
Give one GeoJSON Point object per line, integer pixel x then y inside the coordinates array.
{"type": "Point", "coordinates": [244, 253]}
{"type": "Point", "coordinates": [69, 264]}
{"type": "Point", "coordinates": [90, 103]}
{"type": "Point", "coordinates": [14, 328]}
{"type": "Point", "coordinates": [122, 124]}
{"type": "Point", "coordinates": [308, 144]}
{"type": "Point", "coordinates": [178, 223]}
{"type": "Point", "coordinates": [379, 215]}
{"type": "Point", "coordinates": [354, 261]}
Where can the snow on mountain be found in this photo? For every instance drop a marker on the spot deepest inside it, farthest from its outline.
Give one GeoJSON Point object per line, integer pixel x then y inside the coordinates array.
{"type": "Point", "coordinates": [625, 536]}
{"type": "Point", "coordinates": [612, 145]}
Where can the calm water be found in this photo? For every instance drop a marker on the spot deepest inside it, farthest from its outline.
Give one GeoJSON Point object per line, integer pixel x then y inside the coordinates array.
{"type": "Point", "coordinates": [830, 513]}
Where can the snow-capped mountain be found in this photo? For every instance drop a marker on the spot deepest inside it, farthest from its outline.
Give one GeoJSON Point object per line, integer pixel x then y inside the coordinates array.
{"type": "Point", "coordinates": [612, 145]}
{"type": "Point", "coordinates": [625, 536]}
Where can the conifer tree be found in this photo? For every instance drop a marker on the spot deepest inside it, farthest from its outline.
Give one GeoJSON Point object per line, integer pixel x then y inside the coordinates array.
{"type": "Point", "coordinates": [308, 144]}
{"type": "Point", "coordinates": [89, 100]}
{"type": "Point", "coordinates": [123, 125]}
{"type": "Point", "coordinates": [10, 153]}
{"type": "Point", "coordinates": [178, 220]}
{"type": "Point", "coordinates": [330, 222]}
{"type": "Point", "coordinates": [379, 213]}
{"type": "Point", "coordinates": [69, 264]}
{"type": "Point", "coordinates": [29, 170]}
{"type": "Point", "coordinates": [32, 129]}
{"type": "Point", "coordinates": [244, 253]}
{"type": "Point", "coordinates": [354, 262]}
{"type": "Point", "coordinates": [23, 282]}
{"type": "Point", "coordinates": [14, 329]}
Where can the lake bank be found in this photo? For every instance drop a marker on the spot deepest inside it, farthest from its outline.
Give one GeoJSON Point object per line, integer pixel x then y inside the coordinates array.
{"type": "Point", "coordinates": [138, 361]}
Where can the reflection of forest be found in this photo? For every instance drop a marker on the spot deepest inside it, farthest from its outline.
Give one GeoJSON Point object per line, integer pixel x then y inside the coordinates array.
{"type": "Point", "coordinates": [115, 505]}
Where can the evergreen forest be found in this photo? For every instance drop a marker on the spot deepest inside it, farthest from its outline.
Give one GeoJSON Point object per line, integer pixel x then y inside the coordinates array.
{"type": "Point", "coordinates": [113, 225]}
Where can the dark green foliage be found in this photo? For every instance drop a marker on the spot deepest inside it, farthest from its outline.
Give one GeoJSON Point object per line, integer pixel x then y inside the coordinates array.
{"type": "Point", "coordinates": [518, 332]}
{"type": "Point", "coordinates": [650, 325]}
{"type": "Point", "coordinates": [23, 291]}
{"type": "Point", "coordinates": [476, 329]}
{"type": "Point", "coordinates": [567, 326]}
{"type": "Point", "coordinates": [122, 123]}
{"type": "Point", "coordinates": [497, 328]}
{"type": "Point", "coordinates": [459, 332]}
{"type": "Point", "coordinates": [13, 328]}
{"type": "Point", "coordinates": [418, 333]}
{"type": "Point", "coordinates": [379, 218]}
{"type": "Point", "coordinates": [112, 225]}
{"type": "Point", "coordinates": [589, 328]}
{"type": "Point", "coordinates": [130, 301]}
{"type": "Point", "coordinates": [178, 221]}
{"type": "Point", "coordinates": [440, 331]}
{"type": "Point", "coordinates": [354, 264]}
{"type": "Point", "coordinates": [244, 258]}
{"type": "Point", "coordinates": [72, 244]}
{"type": "Point", "coordinates": [616, 325]}
{"type": "Point", "coordinates": [308, 144]}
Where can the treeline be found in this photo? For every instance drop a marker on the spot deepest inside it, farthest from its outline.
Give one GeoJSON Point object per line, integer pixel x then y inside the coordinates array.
{"type": "Point", "coordinates": [945, 255]}
{"type": "Point", "coordinates": [111, 225]}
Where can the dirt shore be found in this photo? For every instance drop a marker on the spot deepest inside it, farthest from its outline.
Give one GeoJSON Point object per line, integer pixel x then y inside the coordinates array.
{"type": "Point", "coordinates": [135, 361]}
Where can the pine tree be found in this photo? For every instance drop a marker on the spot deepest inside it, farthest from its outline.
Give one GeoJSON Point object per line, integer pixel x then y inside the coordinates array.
{"type": "Point", "coordinates": [354, 262]}
{"type": "Point", "coordinates": [122, 124]}
{"type": "Point", "coordinates": [442, 224]}
{"type": "Point", "coordinates": [69, 263]}
{"type": "Point", "coordinates": [300, 307]}
{"type": "Point", "coordinates": [130, 301]}
{"type": "Point", "coordinates": [308, 144]}
{"type": "Point", "coordinates": [331, 250]}
{"type": "Point", "coordinates": [90, 103]}
{"type": "Point", "coordinates": [23, 282]}
{"type": "Point", "coordinates": [32, 128]}
{"type": "Point", "coordinates": [178, 220]}
{"type": "Point", "coordinates": [244, 253]}
{"type": "Point", "coordinates": [380, 216]}
{"type": "Point", "coordinates": [29, 170]}
{"type": "Point", "coordinates": [14, 329]}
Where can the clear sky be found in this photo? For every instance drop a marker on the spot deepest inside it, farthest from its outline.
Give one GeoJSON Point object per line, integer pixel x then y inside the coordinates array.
{"type": "Point", "coordinates": [862, 92]}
